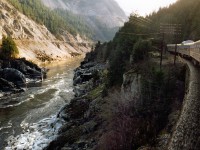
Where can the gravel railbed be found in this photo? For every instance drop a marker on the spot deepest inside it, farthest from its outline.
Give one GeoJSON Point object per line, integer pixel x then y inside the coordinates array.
{"type": "Point", "coordinates": [186, 135]}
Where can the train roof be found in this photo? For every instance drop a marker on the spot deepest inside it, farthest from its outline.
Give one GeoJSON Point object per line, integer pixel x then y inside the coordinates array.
{"type": "Point", "coordinates": [197, 42]}
{"type": "Point", "coordinates": [188, 42]}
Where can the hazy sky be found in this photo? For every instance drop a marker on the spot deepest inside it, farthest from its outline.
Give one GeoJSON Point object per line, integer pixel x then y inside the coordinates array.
{"type": "Point", "coordinates": [143, 7]}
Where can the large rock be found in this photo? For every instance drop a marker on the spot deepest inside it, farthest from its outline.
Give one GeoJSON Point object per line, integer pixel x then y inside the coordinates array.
{"type": "Point", "coordinates": [74, 110]}
{"type": "Point", "coordinates": [131, 87]}
{"type": "Point", "coordinates": [69, 136]}
{"type": "Point", "coordinates": [82, 89]}
{"type": "Point", "coordinates": [86, 72]}
{"type": "Point", "coordinates": [13, 75]}
{"type": "Point", "coordinates": [29, 69]}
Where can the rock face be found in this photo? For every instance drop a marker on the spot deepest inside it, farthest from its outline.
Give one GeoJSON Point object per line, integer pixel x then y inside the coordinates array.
{"type": "Point", "coordinates": [131, 87]}
{"type": "Point", "coordinates": [84, 77]}
{"type": "Point", "coordinates": [34, 41]}
{"type": "Point", "coordinates": [97, 13]}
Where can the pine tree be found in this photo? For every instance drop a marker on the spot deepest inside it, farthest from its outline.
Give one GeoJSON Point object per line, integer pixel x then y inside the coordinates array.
{"type": "Point", "coordinates": [9, 48]}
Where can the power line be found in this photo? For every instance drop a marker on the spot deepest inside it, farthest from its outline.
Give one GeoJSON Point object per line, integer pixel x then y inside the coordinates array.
{"type": "Point", "coordinates": [129, 33]}
{"type": "Point", "coordinates": [173, 29]}
{"type": "Point", "coordinates": [143, 22]}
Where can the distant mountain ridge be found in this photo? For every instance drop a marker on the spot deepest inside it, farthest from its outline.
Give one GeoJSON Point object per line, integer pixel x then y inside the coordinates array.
{"type": "Point", "coordinates": [104, 9]}
{"type": "Point", "coordinates": [103, 16]}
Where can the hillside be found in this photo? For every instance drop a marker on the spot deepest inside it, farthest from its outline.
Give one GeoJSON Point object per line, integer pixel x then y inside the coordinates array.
{"type": "Point", "coordinates": [55, 21]}
{"type": "Point", "coordinates": [183, 12]}
{"type": "Point", "coordinates": [104, 17]}
{"type": "Point", "coordinates": [35, 41]}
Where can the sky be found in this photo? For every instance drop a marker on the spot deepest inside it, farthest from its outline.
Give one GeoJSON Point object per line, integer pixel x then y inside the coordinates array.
{"type": "Point", "coordinates": [143, 7]}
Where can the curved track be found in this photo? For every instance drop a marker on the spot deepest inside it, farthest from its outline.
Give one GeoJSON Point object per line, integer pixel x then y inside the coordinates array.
{"type": "Point", "coordinates": [186, 135]}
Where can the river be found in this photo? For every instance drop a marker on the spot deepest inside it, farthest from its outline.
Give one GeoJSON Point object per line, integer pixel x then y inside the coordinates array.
{"type": "Point", "coordinates": [26, 121]}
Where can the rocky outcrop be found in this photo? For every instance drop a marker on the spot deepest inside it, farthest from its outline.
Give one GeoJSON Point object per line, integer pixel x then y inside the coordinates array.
{"type": "Point", "coordinates": [14, 76]}
{"type": "Point", "coordinates": [131, 87]}
{"type": "Point", "coordinates": [84, 77]}
{"type": "Point", "coordinates": [34, 41]}
{"type": "Point", "coordinates": [15, 73]}
{"type": "Point", "coordinates": [30, 70]}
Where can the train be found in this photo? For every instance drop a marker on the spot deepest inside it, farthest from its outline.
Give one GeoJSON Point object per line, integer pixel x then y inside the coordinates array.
{"type": "Point", "coordinates": [187, 49]}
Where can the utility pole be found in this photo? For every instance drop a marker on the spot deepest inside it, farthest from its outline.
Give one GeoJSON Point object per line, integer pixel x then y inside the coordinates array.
{"type": "Point", "coordinates": [177, 32]}
{"type": "Point", "coordinates": [175, 51]}
{"type": "Point", "coordinates": [161, 49]}
{"type": "Point", "coordinates": [171, 29]}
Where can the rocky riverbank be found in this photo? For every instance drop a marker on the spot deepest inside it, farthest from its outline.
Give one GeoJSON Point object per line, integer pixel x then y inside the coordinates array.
{"type": "Point", "coordinates": [81, 116]}
{"type": "Point", "coordinates": [16, 73]}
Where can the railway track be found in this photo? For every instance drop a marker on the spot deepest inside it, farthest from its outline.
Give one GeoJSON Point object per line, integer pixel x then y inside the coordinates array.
{"type": "Point", "coordinates": [186, 135]}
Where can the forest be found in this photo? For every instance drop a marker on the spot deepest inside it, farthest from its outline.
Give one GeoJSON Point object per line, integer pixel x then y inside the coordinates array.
{"type": "Point", "coordinates": [183, 12]}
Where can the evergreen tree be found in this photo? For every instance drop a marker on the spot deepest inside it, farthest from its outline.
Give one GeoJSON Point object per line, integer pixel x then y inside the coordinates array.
{"type": "Point", "coordinates": [9, 48]}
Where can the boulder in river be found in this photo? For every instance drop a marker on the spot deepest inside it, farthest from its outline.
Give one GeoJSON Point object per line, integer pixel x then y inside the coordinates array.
{"type": "Point", "coordinates": [14, 76]}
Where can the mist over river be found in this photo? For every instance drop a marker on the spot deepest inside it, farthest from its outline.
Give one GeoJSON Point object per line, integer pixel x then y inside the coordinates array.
{"type": "Point", "coordinates": [26, 118]}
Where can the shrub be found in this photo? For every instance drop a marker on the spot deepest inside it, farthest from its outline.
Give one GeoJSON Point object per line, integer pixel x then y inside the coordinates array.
{"type": "Point", "coordinates": [126, 130]}
{"type": "Point", "coordinates": [9, 48]}
{"type": "Point", "coordinates": [140, 50]}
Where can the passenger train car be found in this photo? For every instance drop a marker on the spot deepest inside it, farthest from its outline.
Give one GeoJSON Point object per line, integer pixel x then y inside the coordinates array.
{"type": "Point", "coordinates": [188, 49]}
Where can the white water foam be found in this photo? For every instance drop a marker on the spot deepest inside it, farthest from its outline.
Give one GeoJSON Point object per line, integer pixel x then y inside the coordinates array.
{"type": "Point", "coordinates": [28, 98]}
{"type": "Point", "coordinates": [6, 127]}
{"type": "Point", "coordinates": [1, 95]}
{"type": "Point", "coordinates": [36, 136]}
{"type": "Point", "coordinates": [19, 103]}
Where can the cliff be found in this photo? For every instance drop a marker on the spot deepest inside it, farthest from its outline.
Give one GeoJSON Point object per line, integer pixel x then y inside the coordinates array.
{"type": "Point", "coordinates": [34, 41]}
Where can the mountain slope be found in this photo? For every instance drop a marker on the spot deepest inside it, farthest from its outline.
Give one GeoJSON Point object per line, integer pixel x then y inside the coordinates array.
{"type": "Point", "coordinates": [55, 21]}
{"type": "Point", "coordinates": [108, 11]}
{"type": "Point", "coordinates": [35, 41]}
{"type": "Point", "coordinates": [103, 16]}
